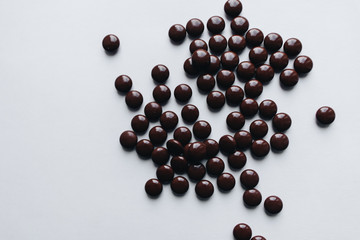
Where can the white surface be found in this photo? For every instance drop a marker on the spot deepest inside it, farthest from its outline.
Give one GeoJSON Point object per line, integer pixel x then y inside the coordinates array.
{"type": "Point", "coordinates": [63, 174]}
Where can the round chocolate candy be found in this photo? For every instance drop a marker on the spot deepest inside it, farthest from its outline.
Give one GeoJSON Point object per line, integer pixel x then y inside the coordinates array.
{"type": "Point", "coordinates": [253, 88]}
{"type": "Point", "coordinates": [212, 148]}
{"type": "Point", "coordinates": [133, 99]}
{"type": "Point", "coordinates": [279, 60]}
{"type": "Point", "coordinates": [243, 139]}
{"type": "Point", "coordinates": [279, 141]}
{"type": "Point", "coordinates": [190, 113]}
{"type": "Point", "coordinates": [264, 73]}
{"type": "Point", "coordinates": [201, 129]}
{"type": "Point", "coordinates": [160, 155]}
{"type": "Point", "coordinates": [177, 33]}
{"type": "Point", "coordinates": [258, 55]}
{"type": "Point", "coordinates": [196, 172]}
{"type": "Point", "coordinates": [179, 164]}
{"type": "Point", "coordinates": [273, 42]}
{"type": "Point", "coordinates": [196, 152]}
{"type": "Point", "coordinates": [233, 8]}
{"type": "Point", "coordinates": [189, 68]}
{"type": "Point", "coordinates": [160, 73]}
{"type": "Point", "coordinates": [258, 128]}
{"type": "Point", "coordinates": [217, 43]}
{"type": "Point", "coordinates": [215, 99]}
{"type": "Point", "coordinates": [198, 44]}
{"type": "Point", "coordinates": [260, 148]}
{"type": "Point", "coordinates": [245, 70]}
{"type": "Point", "coordinates": [214, 65]}
{"type": "Point", "coordinates": [194, 27]}
{"type": "Point", "coordinates": [239, 25]}
{"type": "Point", "coordinates": [226, 182]}
{"type": "Point", "coordinates": [161, 93]}
{"type": "Point", "coordinates": [229, 60]}
{"type": "Point", "coordinates": [169, 120]}
{"type": "Point", "coordinates": [303, 64]}
{"type": "Point", "coordinates": [273, 204]}
{"type": "Point", "coordinates": [204, 189]}
{"type": "Point", "coordinates": [252, 197]}
{"type": "Point", "coordinates": [179, 185]}
{"type": "Point", "coordinates": [153, 111]}
{"type": "Point", "coordinates": [227, 144]}
{"type": "Point", "coordinates": [292, 47]}
{"type": "Point", "coordinates": [111, 43]}
{"type": "Point", "coordinates": [325, 115]}
{"type": "Point", "coordinates": [174, 147]}
{"type": "Point", "coordinates": [249, 178]}
{"type": "Point", "coordinates": [205, 82]}
{"type": "Point", "coordinates": [234, 95]}
{"type": "Point", "coordinates": [289, 77]}
{"type": "Point", "coordinates": [215, 166]}
{"type": "Point", "coordinates": [249, 107]}
{"type": "Point", "coordinates": [237, 43]}
{"type": "Point", "coordinates": [183, 93]}
{"type": "Point", "coordinates": [123, 83]}
{"type": "Point", "coordinates": [281, 122]}
{"type": "Point", "coordinates": [200, 58]}
{"type": "Point", "coordinates": [183, 135]}
{"type": "Point", "coordinates": [165, 173]}
{"type": "Point", "coordinates": [267, 109]}
{"type": "Point", "coordinates": [128, 139]}
{"type": "Point", "coordinates": [139, 123]}
{"type": "Point", "coordinates": [215, 24]}
{"type": "Point", "coordinates": [242, 232]}
{"type": "Point", "coordinates": [235, 120]}
{"type": "Point", "coordinates": [153, 187]}
{"type": "Point", "coordinates": [258, 237]}
{"type": "Point", "coordinates": [144, 148]}
{"type": "Point", "coordinates": [254, 37]}
{"type": "Point", "coordinates": [225, 78]}
{"type": "Point", "coordinates": [237, 160]}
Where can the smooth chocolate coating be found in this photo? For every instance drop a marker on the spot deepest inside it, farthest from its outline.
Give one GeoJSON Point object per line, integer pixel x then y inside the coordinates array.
{"type": "Point", "coordinates": [289, 77]}
{"type": "Point", "coordinates": [215, 99]}
{"type": "Point", "coordinates": [249, 178]}
{"type": "Point", "coordinates": [212, 147]}
{"type": "Point", "coordinates": [160, 73]}
{"type": "Point", "coordinates": [273, 42]}
{"type": "Point", "coordinates": [229, 60]}
{"type": "Point", "coordinates": [253, 88]}
{"type": "Point", "coordinates": [233, 8]}
{"type": "Point", "coordinates": [165, 173]}
{"type": "Point", "coordinates": [177, 33]}
{"type": "Point", "coordinates": [273, 204]}
{"type": "Point", "coordinates": [198, 44]}
{"type": "Point", "coordinates": [235, 120]}
{"type": "Point", "coordinates": [217, 43]}
{"type": "Point", "coordinates": [249, 107]}
{"type": "Point", "coordinates": [174, 147]}
{"type": "Point", "coordinates": [200, 59]}
{"type": "Point", "coordinates": [245, 70]}
{"type": "Point", "coordinates": [183, 135]}
{"type": "Point", "coordinates": [215, 24]}
{"type": "Point", "coordinates": [111, 43]}
{"type": "Point", "coordinates": [204, 189]}
{"type": "Point", "coordinates": [189, 68]}
{"type": "Point", "coordinates": [279, 141]}
{"type": "Point", "coordinates": [197, 151]}
{"type": "Point", "coordinates": [190, 113]}
{"type": "Point", "coordinates": [139, 123]}
{"type": "Point", "coordinates": [252, 197]}
{"type": "Point", "coordinates": [237, 43]}
{"type": "Point", "coordinates": [134, 99]}
{"type": "Point", "coordinates": [225, 78]}
{"type": "Point", "coordinates": [201, 129]}
{"type": "Point", "coordinates": [325, 115]}
{"type": "Point", "coordinates": [194, 27]}
{"type": "Point", "coordinates": [234, 95]}
{"type": "Point", "coordinates": [292, 47]}
{"type": "Point", "coordinates": [144, 148]}
{"type": "Point", "coordinates": [258, 55]}
{"type": "Point", "coordinates": [254, 37]}
{"type": "Point", "coordinates": [215, 166]}
{"type": "Point", "coordinates": [258, 128]}
{"type": "Point", "coordinates": [279, 60]}
{"type": "Point", "coordinates": [169, 120]}
{"type": "Point", "coordinates": [243, 139]}
{"type": "Point", "coordinates": [153, 187]}
{"type": "Point", "coordinates": [179, 185]}
{"type": "Point", "coordinates": [161, 93]}
{"type": "Point", "coordinates": [214, 65]}
{"type": "Point", "coordinates": [227, 144]}
{"type": "Point", "coordinates": [281, 122]}
{"type": "Point", "coordinates": [123, 83]}
{"type": "Point", "coordinates": [303, 64]}
{"type": "Point", "coordinates": [242, 232]}
{"type": "Point", "coordinates": [183, 93]}
{"type": "Point", "coordinates": [196, 172]}
{"type": "Point", "coordinates": [258, 237]}
{"type": "Point", "coordinates": [264, 73]}
{"type": "Point", "coordinates": [186, 152]}
{"type": "Point", "coordinates": [239, 25]}
{"type": "Point", "coordinates": [267, 109]}
{"type": "Point", "coordinates": [128, 139]}
{"type": "Point", "coordinates": [160, 155]}
{"type": "Point", "coordinates": [153, 111]}
{"type": "Point", "coordinates": [260, 148]}
{"type": "Point", "coordinates": [205, 82]}
{"type": "Point", "coordinates": [179, 164]}
{"type": "Point", "coordinates": [237, 160]}
{"type": "Point", "coordinates": [226, 182]}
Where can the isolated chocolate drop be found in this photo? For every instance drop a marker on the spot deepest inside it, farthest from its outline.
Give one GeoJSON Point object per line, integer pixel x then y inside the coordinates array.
{"type": "Point", "coordinates": [233, 8]}
{"type": "Point", "coordinates": [177, 33]}
{"type": "Point", "coordinates": [160, 73]}
{"type": "Point", "coordinates": [273, 204]}
{"type": "Point", "coordinates": [289, 77]}
{"type": "Point", "coordinates": [325, 115]}
{"type": "Point", "coordinates": [292, 47]}
{"type": "Point", "coordinates": [279, 141]}
{"type": "Point", "coordinates": [267, 109]}
{"type": "Point", "coordinates": [111, 43]}
{"type": "Point", "coordinates": [153, 187]}
{"type": "Point", "coordinates": [303, 64]}
{"type": "Point", "coordinates": [235, 120]}
{"type": "Point", "coordinates": [123, 83]}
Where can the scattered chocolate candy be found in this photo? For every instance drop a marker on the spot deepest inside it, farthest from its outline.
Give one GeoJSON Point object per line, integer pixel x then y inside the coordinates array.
{"type": "Point", "coordinates": [215, 166]}
{"type": "Point", "coordinates": [200, 59]}
{"type": "Point", "coordinates": [215, 99]}
{"type": "Point", "coordinates": [235, 120]}
{"type": "Point", "coordinates": [245, 70]}
{"type": "Point", "coordinates": [227, 144]}
{"type": "Point", "coordinates": [267, 109]}
{"type": "Point", "coordinates": [169, 120]}
{"type": "Point", "coordinates": [273, 204]}
{"type": "Point", "coordinates": [153, 187]}
{"type": "Point", "coordinates": [196, 172]}
{"type": "Point", "coordinates": [212, 148]}
{"type": "Point", "coordinates": [249, 107]}
{"type": "Point", "coordinates": [279, 60]}
{"type": "Point", "coordinates": [128, 139]}
{"type": "Point", "coordinates": [183, 135]}
{"type": "Point", "coordinates": [214, 65]}
{"type": "Point", "coordinates": [292, 47]}
{"type": "Point", "coordinates": [252, 197]}
{"type": "Point", "coordinates": [197, 151]}
{"type": "Point", "coordinates": [237, 160]}
{"type": "Point", "coordinates": [194, 27]}
{"type": "Point", "coordinates": [258, 128]}
{"type": "Point", "coordinates": [190, 113]}
{"type": "Point", "coordinates": [204, 189]}
{"type": "Point", "coordinates": [165, 173]}
{"type": "Point", "coordinates": [225, 182]}
{"type": "Point", "coordinates": [225, 78]}
{"type": "Point", "coordinates": [229, 60]}
{"type": "Point", "coordinates": [279, 141]}
{"type": "Point", "coordinates": [258, 55]}
{"type": "Point", "coordinates": [205, 82]}
{"type": "Point", "coordinates": [325, 115]}
{"type": "Point", "coordinates": [183, 93]}
{"type": "Point", "coordinates": [139, 123]}
{"type": "Point", "coordinates": [111, 43]}
{"type": "Point", "coordinates": [153, 111]}
{"type": "Point", "coordinates": [215, 24]}
{"type": "Point", "coordinates": [253, 88]}
{"type": "Point", "coordinates": [198, 44]}
{"type": "Point", "coordinates": [260, 148]}
{"type": "Point", "coordinates": [123, 83]}
{"type": "Point", "coordinates": [239, 25]}
{"type": "Point", "coordinates": [273, 42]}
{"type": "Point", "coordinates": [254, 37]}
{"type": "Point", "coordinates": [133, 99]}
{"type": "Point", "coordinates": [234, 95]}
{"type": "Point", "coordinates": [237, 43]}
{"type": "Point", "coordinates": [179, 185]}
{"type": "Point", "coordinates": [303, 64]}
{"type": "Point", "coordinates": [189, 68]}
{"type": "Point", "coordinates": [177, 33]}
{"type": "Point", "coordinates": [179, 164]}
{"type": "Point", "coordinates": [217, 43]}
{"type": "Point", "coordinates": [249, 178]}
{"type": "Point", "coordinates": [233, 8]}
{"type": "Point", "coordinates": [281, 122]}
{"type": "Point", "coordinates": [201, 129]}
{"type": "Point", "coordinates": [174, 147]}
{"type": "Point", "coordinates": [289, 77]}
{"type": "Point", "coordinates": [161, 93]}
{"type": "Point", "coordinates": [264, 73]}
{"type": "Point", "coordinates": [242, 231]}
{"type": "Point", "coordinates": [144, 148]}
{"type": "Point", "coordinates": [160, 73]}
{"type": "Point", "coordinates": [160, 155]}
{"type": "Point", "coordinates": [243, 139]}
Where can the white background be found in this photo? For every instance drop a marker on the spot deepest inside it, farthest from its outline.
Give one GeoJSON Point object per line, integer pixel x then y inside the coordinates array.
{"type": "Point", "coordinates": [63, 174]}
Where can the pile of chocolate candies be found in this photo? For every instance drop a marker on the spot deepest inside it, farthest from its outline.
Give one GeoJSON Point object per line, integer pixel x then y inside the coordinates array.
{"type": "Point", "coordinates": [187, 156]}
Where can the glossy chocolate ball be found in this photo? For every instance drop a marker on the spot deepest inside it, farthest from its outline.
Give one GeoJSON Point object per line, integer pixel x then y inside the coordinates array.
{"type": "Point", "coordinates": [254, 37]}
{"type": "Point", "coordinates": [153, 111]}
{"type": "Point", "coordinates": [249, 178]}
{"type": "Point", "coordinates": [174, 147]}
{"type": "Point", "coordinates": [128, 139]}
{"type": "Point", "coordinates": [252, 197]}
{"type": "Point", "coordinates": [194, 27]}
{"type": "Point", "coordinates": [212, 148]}
{"type": "Point", "coordinates": [179, 185]}
{"type": "Point", "coordinates": [303, 64]}
{"type": "Point", "coordinates": [225, 78]}
{"type": "Point", "coordinates": [273, 204]}
{"type": "Point", "coordinates": [325, 115]}
{"type": "Point", "coordinates": [177, 33]}
{"type": "Point", "coordinates": [279, 141]}
{"type": "Point", "coordinates": [204, 189]}
{"type": "Point", "coordinates": [273, 42]}
{"type": "Point", "coordinates": [279, 60]}
{"type": "Point", "coordinates": [292, 47]}
{"type": "Point", "coordinates": [169, 120]}
{"type": "Point", "coordinates": [183, 93]}
{"type": "Point", "coordinates": [229, 60]}
{"type": "Point", "coordinates": [258, 55]}
{"type": "Point", "coordinates": [200, 58]}
{"type": "Point", "coordinates": [214, 65]}
{"type": "Point", "coordinates": [260, 148]}
{"type": "Point", "coordinates": [133, 99]}
{"type": "Point", "coordinates": [165, 173]}
{"type": "Point", "coordinates": [237, 160]}
{"type": "Point", "coordinates": [144, 148]}
{"type": "Point", "coordinates": [189, 68]}
{"type": "Point", "coordinates": [215, 99]}
{"type": "Point", "coordinates": [179, 164]}
{"type": "Point", "coordinates": [281, 122]}
{"type": "Point", "coordinates": [234, 95]}
{"type": "Point", "coordinates": [226, 182]}
{"type": "Point", "coordinates": [160, 156]}
{"type": "Point", "coordinates": [196, 152]}
{"type": "Point", "coordinates": [237, 43]}
{"type": "Point", "coordinates": [265, 73]}
{"type": "Point", "coordinates": [245, 70]}
{"type": "Point", "coordinates": [235, 120]}
{"type": "Point", "coordinates": [198, 44]}
{"type": "Point", "coordinates": [201, 129]}
{"type": "Point", "coordinates": [267, 109]}
{"type": "Point", "coordinates": [242, 231]}
{"type": "Point", "coordinates": [139, 123]}
{"type": "Point", "coordinates": [243, 139]}
{"type": "Point", "coordinates": [205, 82]}
{"type": "Point", "coordinates": [233, 8]}
{"type": "Point", "coordinates": [190, 113]}
{"type": "Point", "coordinates": [253, 88]}
{"type": "Point", "coordinates": [249, 107]}
{"type": "Point", "coordinates": [123, 83]}
{"type": "Point", "coordinates": [157, 135]}
{"type": "Point", "coordinates": [216, 24]}
{"type": "Point", "coordinates": [215, 166]}
{"type": "Point", "coordinates": [258, 128]}
{"type": "Point", "coordinates": [217, 43]}
{"type": "Point", "coordinates": [196, 172]}
{"type": "Point", "coordinates": [289, 77]}
{"type": "Point", "coordinates": [111, 43]}
{"type": "Point", "coordinates": [161, 93]}
{"type": "Point", "coordinates": [239, 25]}
{"type": "Point", "coordinates": [227, 144]}
{"type": "Point", "coordinates": [153, 187]}
{"type": "Point", "coordinates": [160, 73]}
{"type": "Point", "coordinates": [183, 135]}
